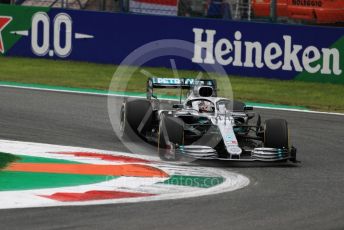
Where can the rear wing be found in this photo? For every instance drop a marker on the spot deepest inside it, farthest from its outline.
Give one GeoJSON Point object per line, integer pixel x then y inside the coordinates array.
{"type": "Point", "coordinates": [182, 83]}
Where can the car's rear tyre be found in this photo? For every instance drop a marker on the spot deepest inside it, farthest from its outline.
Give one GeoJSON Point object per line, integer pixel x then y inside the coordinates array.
{"type": "Point", "coordinates": [171, 135]}
{"type": "Point", "coordinates": [276, 134]}
{"type": "Point", "coordinates": [136, 117]}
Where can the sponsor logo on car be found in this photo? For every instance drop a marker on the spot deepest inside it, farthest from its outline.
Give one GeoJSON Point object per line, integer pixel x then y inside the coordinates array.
{"type": "Point", "coordinates": [234, 150]}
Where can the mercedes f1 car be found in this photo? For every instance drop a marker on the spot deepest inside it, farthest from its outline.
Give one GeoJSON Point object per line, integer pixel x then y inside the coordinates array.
{"type": "Point", "coordinates": [204, 126]}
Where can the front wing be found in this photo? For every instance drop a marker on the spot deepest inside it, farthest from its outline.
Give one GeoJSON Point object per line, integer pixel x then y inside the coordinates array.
{"type": "Point", "coordinates": [257, 154]}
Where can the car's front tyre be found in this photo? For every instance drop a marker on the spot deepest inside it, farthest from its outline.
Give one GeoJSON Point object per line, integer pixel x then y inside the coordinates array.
{"type": "Point", "coordinates": [135, 118]}
{"type": "Point", "coordinates": [276, 134]}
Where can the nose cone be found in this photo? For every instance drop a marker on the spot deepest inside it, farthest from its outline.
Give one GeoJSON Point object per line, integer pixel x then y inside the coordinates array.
{"type": "Point", "coordinates": [234, 150]}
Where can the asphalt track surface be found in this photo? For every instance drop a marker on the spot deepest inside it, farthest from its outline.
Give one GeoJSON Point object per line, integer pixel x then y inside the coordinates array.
{"type": "Point", "coordinates": [307, 196]}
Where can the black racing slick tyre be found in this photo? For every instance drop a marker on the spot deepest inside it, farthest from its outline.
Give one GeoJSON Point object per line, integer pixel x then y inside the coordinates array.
{"type": "Point", "coordinates": [136, 117]}
{"type": "Point", "coordinates": [276, 133]}
{"type": "Point", "coordinates": [171, 134]}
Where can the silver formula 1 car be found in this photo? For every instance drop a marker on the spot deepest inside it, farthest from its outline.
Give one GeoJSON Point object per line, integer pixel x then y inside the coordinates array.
{"type": "Point", "coordinates": [204, 126]}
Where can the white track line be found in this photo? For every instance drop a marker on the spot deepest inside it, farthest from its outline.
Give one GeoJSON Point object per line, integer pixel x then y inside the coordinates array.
{"type": "Point", "coordinates": [299, 110]}
{"type": "Point", "coordinates": [118, 95]}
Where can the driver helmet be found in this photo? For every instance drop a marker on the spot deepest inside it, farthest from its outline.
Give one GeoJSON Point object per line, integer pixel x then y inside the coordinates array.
{"type": "Point", "coordinates": [205, 107]}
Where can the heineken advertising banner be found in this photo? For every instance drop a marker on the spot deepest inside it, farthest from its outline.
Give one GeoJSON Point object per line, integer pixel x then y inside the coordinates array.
{"type": "Point", "coordinates": [310, 53]}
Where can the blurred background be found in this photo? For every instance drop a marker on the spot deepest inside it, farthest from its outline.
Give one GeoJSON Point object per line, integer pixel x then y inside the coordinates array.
{"type": "Point", "coordinates": [311, 12]}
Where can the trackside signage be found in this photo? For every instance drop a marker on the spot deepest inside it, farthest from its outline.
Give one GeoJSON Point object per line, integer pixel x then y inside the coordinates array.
{"type": "Point", "coordinates": [307, 53]}
{"type": "Point", "coordinates": [286, 56]}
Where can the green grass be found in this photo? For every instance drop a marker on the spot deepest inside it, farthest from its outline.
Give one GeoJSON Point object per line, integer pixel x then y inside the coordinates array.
{"type": "Point", "coordinates": [6, 158]}
{"type": "Point", "coordinates": [317, 96]}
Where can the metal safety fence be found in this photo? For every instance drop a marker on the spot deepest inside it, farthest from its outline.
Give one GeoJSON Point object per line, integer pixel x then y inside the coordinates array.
{"type": "Point", "coordinates": [226, 9]}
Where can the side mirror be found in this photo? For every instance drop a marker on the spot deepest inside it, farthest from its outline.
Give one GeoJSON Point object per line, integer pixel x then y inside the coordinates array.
{"type": "Point", "coordinates": [177, 106]}
{"type": "Point", "coordinates": [248, 107]}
